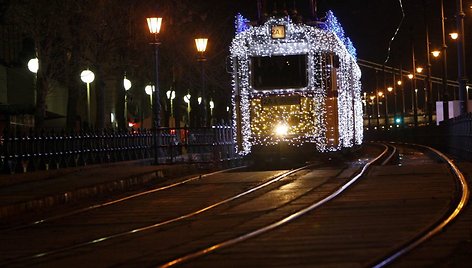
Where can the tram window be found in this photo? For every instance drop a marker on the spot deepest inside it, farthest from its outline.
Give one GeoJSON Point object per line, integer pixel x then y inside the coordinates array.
{"type": "Point", "coordinates": [278, 72]}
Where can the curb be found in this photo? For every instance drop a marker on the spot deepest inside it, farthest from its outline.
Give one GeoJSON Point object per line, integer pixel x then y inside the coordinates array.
{"type": "Point", "coordinates": [102, 189]}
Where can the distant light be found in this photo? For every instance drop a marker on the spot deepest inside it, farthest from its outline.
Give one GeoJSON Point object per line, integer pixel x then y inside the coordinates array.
{"type": "Point", "coordinates": [380, 93]}
{"type": "Point", "coordinates": [410, 76]}
{"type": "Point", "coordinates": [87, 76]}
{"type": "Point", "coordinates": [212, 104]}
{"type": "Point", "coordinates": [170, 94]}
{"type": "Point", "coordinates": [419, 69]}
{"type": "Point", "coordinates": [149, 89]}
{"type": "Point", "coordinates": [33, 65]}
{"type": "Point", "coordinates": [187, 98]}
{"type": "Point", "coordinates": [390, 89]}
{"type": "Point", "coordinates": [435, 53]}
{"type": "Point", "coordinates": [454, 35]}
{"type": "Point", "coordinates": [199, 100]}
{"type": "Point", "coordinates": [112, 117]}
{"type": "Point", "coordinates": [398, 121]}
{"type": "Point", "coordinates": [399, 82]}
{"type": "Point", "coordinates": [126, 83]}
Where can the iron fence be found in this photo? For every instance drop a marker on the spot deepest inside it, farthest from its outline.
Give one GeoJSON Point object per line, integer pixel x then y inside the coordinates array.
{"type": "Point", "coordinates": [22, 152]}
{"type": "Point", "coordinates": [453, 136]}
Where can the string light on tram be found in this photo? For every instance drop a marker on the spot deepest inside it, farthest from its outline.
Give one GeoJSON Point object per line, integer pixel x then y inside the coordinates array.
{"type": "Point", "coordinates": [254, 119]}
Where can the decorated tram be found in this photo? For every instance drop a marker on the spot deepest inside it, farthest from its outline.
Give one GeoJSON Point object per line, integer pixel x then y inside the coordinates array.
{"type": "Point", "coordinates": [295, 86]}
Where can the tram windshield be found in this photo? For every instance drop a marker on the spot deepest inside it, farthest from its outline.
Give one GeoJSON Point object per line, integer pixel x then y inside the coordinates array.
{"type": "Point", "coordinates": [279, 72]}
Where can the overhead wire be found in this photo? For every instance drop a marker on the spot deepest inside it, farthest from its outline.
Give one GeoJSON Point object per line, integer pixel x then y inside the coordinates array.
{"type": "Point", "coordinates": [396, 32]}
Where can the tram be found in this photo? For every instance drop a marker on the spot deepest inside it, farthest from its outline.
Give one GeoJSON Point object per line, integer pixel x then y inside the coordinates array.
{"type": "Point", "coordinates": [294, 86]}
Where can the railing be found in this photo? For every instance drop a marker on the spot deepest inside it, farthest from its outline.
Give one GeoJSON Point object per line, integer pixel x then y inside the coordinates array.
{"type": "Point", "coordinates": [47, 150]}
{"type": "Point", "coordinates": [453, 136]}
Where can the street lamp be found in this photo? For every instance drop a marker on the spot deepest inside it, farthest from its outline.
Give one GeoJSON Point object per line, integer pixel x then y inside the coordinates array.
{"type": "Point", "coordinates": [149, 90]}
{"type": "Point", "coordinates": [454, 35]}
{"type": "Point", "coordinates": [201, 44]}
{"type": "Point", "coordinates": [372, 103]}
{"type": "Point", "coordinates": [187, 100]}
{"type": "Point", "coordinates": [87, 77]}
{"type": "Point", "coordinates": [461, 64]}
{"type": "Point", "coordinates": [171, 96]}
{"type": "Point", "coordinates": [154, 25]}
{"type": "Point", "coordinates": [436, 53]}
{"type": "Point", "coordinates": [127, 85]}
{"type": "Point", "coordinates": [212, 105]}
{"type": "Point", "coordinates": [33, 65]}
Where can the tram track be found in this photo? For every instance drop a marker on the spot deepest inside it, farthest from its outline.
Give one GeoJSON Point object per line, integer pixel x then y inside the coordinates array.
{"type": "Point", "coordinates": [385, 156]}
{"type": "Point", "coordinates": [279, 176]}
{"type": "Point", "coordinates": [456, 207]}
{"type": "Point", "coordinates": [64, 249]}
{"type": "Point", "coordinates": [427, 232]}
{"type": "Point", "coordinates": [115, 201]}
{"type": "Point", "coordinates": [214, 227]}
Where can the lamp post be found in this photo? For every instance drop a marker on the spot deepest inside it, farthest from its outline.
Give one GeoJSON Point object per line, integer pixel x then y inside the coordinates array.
{"type": "Point", "coordinates": [394, 93]}
{"type": "Point", "coordinates": [445, 96]}
{"type": "Point", "coordinates": [212, 105]}
{"type": "Point", "coordinates": [380, 94]}
{"type": "Point", "coordinates": [187, 100]}
{"type": "Point", "coordinates": [415, 109]}
{"type": "Point", "coordinates": [87, 77]}
{"type": "Point", "coordinates": [149, 91]}
{"type": "Point", "coordinates": [387, 118]}
{"type": "Point", "coordinates": [372, 100]}
{"type": "Point", "coordinates": [154, 25]}
{"type": "Point", "coordinates": [33, 66]}
{"type": "Point", "coordinates": [127, 86]}
{"type": "Point", "coordinates": [461, 58]}
{"type": "Point", "coordinates": [400, 85]}
{"type": "Point", "coordinates": [171, 96]}
{"type": "Point", "coordinates": [201, 44]}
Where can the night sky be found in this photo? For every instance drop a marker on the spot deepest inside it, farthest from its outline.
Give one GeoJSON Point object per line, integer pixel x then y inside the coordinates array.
{"type": "Point", "coordinates": [372, 23]}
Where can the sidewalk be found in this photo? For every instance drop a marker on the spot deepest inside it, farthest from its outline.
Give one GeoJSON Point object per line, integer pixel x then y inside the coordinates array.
{"type": "Point", "coordinates": [28, 192]}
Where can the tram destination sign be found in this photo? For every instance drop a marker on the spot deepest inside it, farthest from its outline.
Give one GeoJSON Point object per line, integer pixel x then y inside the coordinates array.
{"type": "Point", "coordinates": [278, 31]}
{"type": "Point", "coordinates": [280, 100]}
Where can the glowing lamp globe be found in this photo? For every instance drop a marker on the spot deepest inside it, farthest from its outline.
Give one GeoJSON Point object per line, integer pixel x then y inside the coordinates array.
{"type": "Point", "coordinates": [149, 89]}
{"type": "Point", "coordinates": [154, 25]}
{"type": "Point", "coordinates": [170, 94]}
{"type": "Point", "coordinates": [187, 98]}
{"type": "Point", "coordinates": [126, 84]}
{"type": "Point", "coordinates": [201, 44]}
{"type": "Point", "coordinates": [87, 76]}
{"type": "Point", "coordinates": [33, 65]}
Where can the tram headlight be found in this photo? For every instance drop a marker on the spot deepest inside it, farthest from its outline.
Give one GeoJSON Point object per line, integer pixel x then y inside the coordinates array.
{"type": "Point", "coordinates": [281, 129]}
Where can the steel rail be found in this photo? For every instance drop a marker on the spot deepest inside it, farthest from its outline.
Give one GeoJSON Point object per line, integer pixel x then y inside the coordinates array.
{"type": "Point", "coordinates": [389, 158]}
{"type": "Point", "coordinates": [275, 178]}
{"type": "Point", "coordinates": [126, 198]}
{"type": "Point", "coordinates": [442, 223]}
{"type": "Point", "coordinates": [276, 224]}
